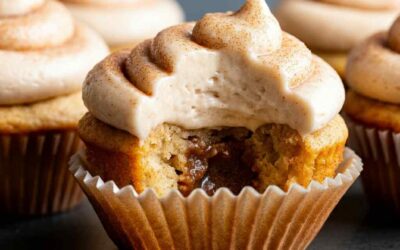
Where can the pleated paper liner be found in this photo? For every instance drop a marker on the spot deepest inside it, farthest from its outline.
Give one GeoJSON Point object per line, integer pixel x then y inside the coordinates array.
{"type": "Point", "coordinates": [272, 220]}
{"type": "Point", "coordinates": [34, 173]}
{"type": "Point", "coordinates": [380, 151]}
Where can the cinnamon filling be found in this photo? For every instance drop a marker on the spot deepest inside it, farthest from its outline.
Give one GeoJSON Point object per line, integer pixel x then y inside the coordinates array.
{"type": "Point", "coordinates": [214, 165]}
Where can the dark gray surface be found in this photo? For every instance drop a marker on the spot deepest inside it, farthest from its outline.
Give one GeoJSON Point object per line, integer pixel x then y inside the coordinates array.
{"type": "Point", "coordinates": [195, 9]}
{"type": "Point", "coordinates": [349, 227]}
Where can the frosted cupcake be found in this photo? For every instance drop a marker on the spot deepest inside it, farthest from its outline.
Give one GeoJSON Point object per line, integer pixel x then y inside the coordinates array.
{"type": "Point", "coordinates": [373, 108]}
{"type": "Point", "coordinates": [331, 28]}
{"type": "Point", "coordinates": [44, 57]}
{"type": "Point", "coordinates": [125, 23]}
{"type": "Point", "coordinates": [213, 127]}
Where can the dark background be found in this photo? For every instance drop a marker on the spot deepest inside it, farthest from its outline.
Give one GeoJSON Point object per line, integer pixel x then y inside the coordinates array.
{"type": "Point", "coordinates": [196, 8]}
{"type": "Point", "coordinates": [351, 225]}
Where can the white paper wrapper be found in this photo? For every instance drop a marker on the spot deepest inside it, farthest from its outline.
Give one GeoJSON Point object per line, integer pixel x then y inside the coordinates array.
{"type": "Point", "coordinates": [34, 173]}
{"type": "Point", "coordinates": [272, 220]}
{"type": "Point", "coordinates": [380, 151]}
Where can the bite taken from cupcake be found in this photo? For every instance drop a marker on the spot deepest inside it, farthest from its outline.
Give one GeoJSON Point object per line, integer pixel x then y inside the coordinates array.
{"type": "Point", "coordinates": [373, 109]}
{"type": "Point", "coordinates": [228, 103]}
{"type": "Point", "coordinates": [44, 57]}
{"type": "Point", "coordinates": [331, 28]}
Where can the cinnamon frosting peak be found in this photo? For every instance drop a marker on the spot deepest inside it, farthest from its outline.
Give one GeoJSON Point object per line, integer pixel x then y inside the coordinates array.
{"type": "Point", "coordinates": [49, 24]}
{"type": "Point", "coordinates": [233, 70]}
{"type": "Point", "coordinates": [253, 28]}
{"type": "Point", "coordinates": [43, 53]}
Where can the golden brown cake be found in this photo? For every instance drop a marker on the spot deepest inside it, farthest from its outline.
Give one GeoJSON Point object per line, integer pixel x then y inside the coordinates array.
{"type": "Point", "coordinates": [332, 28]}
{"type": "Point", "coordinates": [175, 158]}
{"type": "Point", "coordinates": [373, 111]}
{"type": "Point", "coordinates": [35, 117]}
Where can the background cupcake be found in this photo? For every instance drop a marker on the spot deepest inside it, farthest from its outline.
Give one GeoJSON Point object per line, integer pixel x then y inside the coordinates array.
{"type": "Point", "coordinates": [332, 27]}
{"type": "Point", "coordinates": [373, 108]}
{"type": "Point", "coordinates": [228, 102]}
{"type": "Point", "coordinates": [44, 57]}
{"type": "Point", "coordinates": [125, 23]}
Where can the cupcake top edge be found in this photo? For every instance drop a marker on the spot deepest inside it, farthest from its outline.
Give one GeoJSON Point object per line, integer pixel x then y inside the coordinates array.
{"type": "Point", "coordinates": [373, 66]}
{"type": "Point", "coordinates": [124, 22]}
{"type": "Point", "coordinates": [311, 21]}
{"type": "Point", "coordinates": [43, 52]}
{"type": "Point", "coordinates": [227, 70]}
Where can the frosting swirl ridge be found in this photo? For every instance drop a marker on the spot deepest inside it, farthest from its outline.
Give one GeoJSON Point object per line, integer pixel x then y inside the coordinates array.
{"type": "Point", "coordinates": [43, 53]}
{"type": "Point", "coordinates": [373, 67]}
{"type": "Point", "coordinates": [366, 4]}
{"type": "Point", "coordinates": [336, 25]}
{"type": "Point", "coordinates": [18, 7]}
{"type": "Point", "coordinates": [49, 25]}
{"type": "Point", "coordinates": [123, 22]}
{"type": "Point", "coordinates": [217, 72]}
{"type": "Point", "coordinates": [250, 28]}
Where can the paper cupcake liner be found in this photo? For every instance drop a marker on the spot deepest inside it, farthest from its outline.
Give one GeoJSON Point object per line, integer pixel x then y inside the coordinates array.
{"type": "Point", "coordinates": [34, 173]}
{"type": "Point", "coordinates": [380, 151]}
{"type": "Point", "coordinates": [272, 220]}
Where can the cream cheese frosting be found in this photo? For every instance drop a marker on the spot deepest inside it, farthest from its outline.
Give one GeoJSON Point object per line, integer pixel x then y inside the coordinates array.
{"type": "Point", "coordinates": [235, 70]}
{"type": "Point", "coordinates": [43, 53]}
{"type": "Point", "coordinates": [336, 25]}
{"type": "Point", "coordinates": [373, 67]}
{"type": "Point", "coordinates": [121, 22]}
{"type": "Point", "coordinates": [18, 7]}
{"type": "Point", "coordinates": [366, 4]}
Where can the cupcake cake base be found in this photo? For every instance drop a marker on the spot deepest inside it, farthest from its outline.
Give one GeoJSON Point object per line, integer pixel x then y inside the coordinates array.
{"type": "Point", "coordinates": [273, 220]}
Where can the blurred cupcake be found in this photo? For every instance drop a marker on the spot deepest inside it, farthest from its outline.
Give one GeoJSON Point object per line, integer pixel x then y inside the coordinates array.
{"type": "Point", "coordinates": [126, 23]}
{"type": "Point", "coordinates": [44, 57]}
{"type": "Point", "coordinates": [331, 28]}
{"type": "Point", "coordinates": [373, 108]}
{"type": "Point", "coordinates": [196, 120]}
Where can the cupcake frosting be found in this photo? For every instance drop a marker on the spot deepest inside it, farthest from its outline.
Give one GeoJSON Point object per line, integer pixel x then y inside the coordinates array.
{"type": "Point", "coordinates": [336, 25]}
{"type": "Point", "coordinates": [235, 70]}
{"type": "Point", "coordinates": [373, 67]}
{"type": "Point", "coordinates": [43, 53]}
{"type": "Point", "coordinates": [18, 7]}
{"type": "Point", "coordinates": [123, 22]}
{"type": "Point", "coordinates": [366, 4]}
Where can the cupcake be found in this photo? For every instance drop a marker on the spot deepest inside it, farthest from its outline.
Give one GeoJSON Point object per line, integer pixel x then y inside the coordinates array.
{"type": "Point", "coordinates": [223, 133]}
{"type": "Point", "coordinates": [331, 28]}
{"type": "Point", "coordinates": [373, 109]}
{"type": "Point", "coordinates": [126, 23]}
{"type": "Point", "coordinates": [44, 57]}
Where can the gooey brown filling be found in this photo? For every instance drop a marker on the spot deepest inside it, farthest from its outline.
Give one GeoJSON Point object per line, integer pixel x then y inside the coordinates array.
{"type": "Point", "coordinates": [212, 165]}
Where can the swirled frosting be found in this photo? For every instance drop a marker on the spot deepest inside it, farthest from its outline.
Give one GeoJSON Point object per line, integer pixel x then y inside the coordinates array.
{"type": "Point", "coordinates": [366, 4]}
{"type": "Point", "coordinates": [122, 22]}
{"type": "Point", "coordinates": [43, 53]}
{"type": "Point", "coordinates": [18, 7]}
{"type": "Point", "coordinates": [336, 25]}
{"type": "Point", "coordinates": [373, 67]}
{"type": "Point", "coordinates": [235, 70]}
